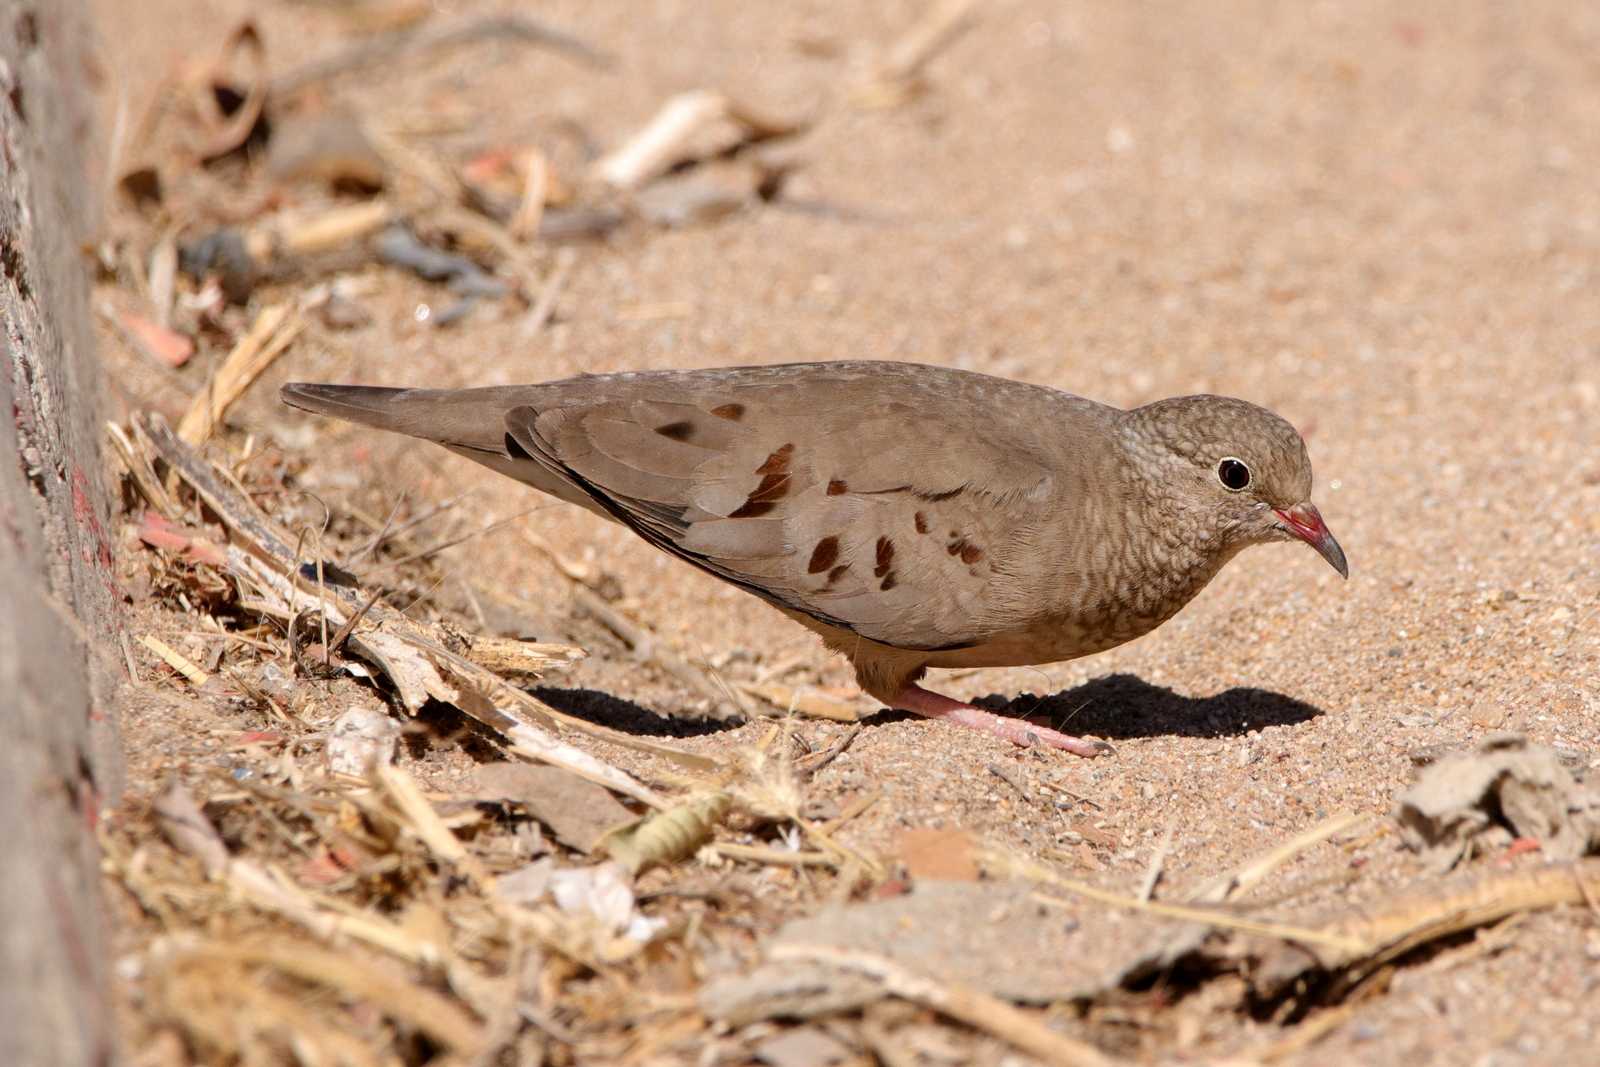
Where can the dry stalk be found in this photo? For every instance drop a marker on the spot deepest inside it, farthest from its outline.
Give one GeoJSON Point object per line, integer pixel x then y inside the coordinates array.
{"type": "Point", "coordinates": [1013, 864]}
{"type": "Point", "coordinates": [970, 1006]}
{"type": "Point", "coordinates": [1258, 868]}
{"type": "Point", "coordinates": [535, 190]}
{"type": "Point", "coordinates": [804, 701]}
{"type": "Point", "coordinates": [898, 77]}
{"type": "Point", "coordinates": [135, 455]}
{"type": "Point", "coordinates": [419, 816]}
{"type": "Point", "coordinates": [1416, 920]}
{"type": "Point", "coordinates": [441, 1018]}
{"type": "Point", "coordinates": [267, 889]}
{"type": "Point", "coordinates": [274, 328]}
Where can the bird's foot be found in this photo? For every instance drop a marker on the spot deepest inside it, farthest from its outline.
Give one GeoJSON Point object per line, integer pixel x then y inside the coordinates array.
{"type": "Point", "coordinates": [1017, 731]}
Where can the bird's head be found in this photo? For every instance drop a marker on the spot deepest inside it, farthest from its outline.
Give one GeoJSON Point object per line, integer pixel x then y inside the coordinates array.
{"type": "Point", "coordinates": [1234, 467]}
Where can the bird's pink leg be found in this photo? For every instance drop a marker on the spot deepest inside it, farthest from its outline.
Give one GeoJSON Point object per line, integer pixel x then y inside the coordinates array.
{"type": "Point", "coordinates": [913, 697]}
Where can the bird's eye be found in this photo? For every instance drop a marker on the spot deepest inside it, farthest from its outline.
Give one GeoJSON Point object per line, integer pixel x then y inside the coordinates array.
{"type": "Point", "coordinates": [1233, 474]}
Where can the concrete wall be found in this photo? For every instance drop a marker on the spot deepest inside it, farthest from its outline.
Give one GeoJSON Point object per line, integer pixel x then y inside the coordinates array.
{"type": "Point", "coordinates": [58, 598]}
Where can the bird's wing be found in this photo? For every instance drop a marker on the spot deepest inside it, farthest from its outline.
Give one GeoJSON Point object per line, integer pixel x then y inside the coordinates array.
{"type": "Point", "coordinates": [912, 505]}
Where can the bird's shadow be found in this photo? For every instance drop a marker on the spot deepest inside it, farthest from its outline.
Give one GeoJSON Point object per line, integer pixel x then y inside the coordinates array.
{"type": "Point", "coordinates": [1116, 707]}
{"type": "Point", "coordinates": [606, 709]}
{"type": "Point", "coordinates": [1122, 706]}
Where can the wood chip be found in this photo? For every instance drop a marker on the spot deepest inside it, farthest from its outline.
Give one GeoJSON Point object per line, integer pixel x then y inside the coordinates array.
{"type": "Point", "coordinates": [169, 655]}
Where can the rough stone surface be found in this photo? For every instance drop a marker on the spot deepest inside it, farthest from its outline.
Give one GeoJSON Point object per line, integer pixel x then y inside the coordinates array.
{"type": "Point", "coordinates": [57, 591]}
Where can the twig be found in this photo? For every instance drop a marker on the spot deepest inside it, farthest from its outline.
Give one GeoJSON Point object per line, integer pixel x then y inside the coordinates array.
{"type": "Point", "coordinates": [343, 632]}
{"type": "Point", "coordinates": [434, 550]}
{"type": "Point", "coordinates": [776, 856]}
{"type": "Point", "coordinates": [412, 523]}
{"type": "Point", "coordinates": [1158, 860]}
{"type": "Point", "coordinates": [1009, 777]}
{"type": "Point", "coordinates": [293, 236]}
{"type": "Point", "coordinates": [813, 763]}
{"type": "Point", "coordinates": [1258, 868]}
{"type": "Point", "coordinates": [930, 35]}
{"type": "Point", "coordinates": [663, 141]}
{"type": "Point", "coordinates": [1306, 1034]}
{"type": "Point", "coordinates": [970, 1006]}
{"type": "Point", "coordinates": [429, 1012]}
{"type": "Point", "coordinates": [387, 47]}
{"type": "Point", "coordinates": [899, 76]}
{"type": "Point", "coordinates": [851, 810]}
{"type": "Point", "coordinates": [509, 655]}
{"type": "Point", "coordinates": [524, 224]}
{"type": "Point", "coordinates": [545, 306]}
{"type": "Point", "coordinates": [383, 531]}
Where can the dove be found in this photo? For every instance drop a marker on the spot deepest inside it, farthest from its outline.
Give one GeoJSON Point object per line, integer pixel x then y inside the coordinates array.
{"type": "Point", "coordinates": [914, 516]}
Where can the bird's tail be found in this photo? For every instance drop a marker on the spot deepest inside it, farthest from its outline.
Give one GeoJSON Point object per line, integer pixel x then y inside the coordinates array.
{"type": "Point", "coordinates": [369, 405]}
{"type": "Point", "coordinates": [461, 418]}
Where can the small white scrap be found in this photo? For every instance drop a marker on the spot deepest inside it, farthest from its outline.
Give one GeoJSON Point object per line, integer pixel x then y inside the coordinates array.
{"type": "Point", "coordinates": [602, 893]}
{"type": "Point", "coordinates": [360, 740]}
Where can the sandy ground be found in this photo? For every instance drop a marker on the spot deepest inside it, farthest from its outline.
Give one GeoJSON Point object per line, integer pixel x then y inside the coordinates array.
{"type": "Point", "coordinates": [1383, 224]}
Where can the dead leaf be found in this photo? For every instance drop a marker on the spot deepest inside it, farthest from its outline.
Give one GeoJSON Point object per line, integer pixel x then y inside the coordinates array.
{"type": "Point", "coordinates": [578, 812]}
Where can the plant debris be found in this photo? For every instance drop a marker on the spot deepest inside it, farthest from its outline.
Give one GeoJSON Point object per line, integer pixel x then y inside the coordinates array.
{"type": "Point", "coordinates": [1469, 803]}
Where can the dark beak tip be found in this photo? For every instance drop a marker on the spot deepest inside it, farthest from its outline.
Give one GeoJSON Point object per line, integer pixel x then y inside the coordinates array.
{"type": "Point", "coordinates": [1330, 550]}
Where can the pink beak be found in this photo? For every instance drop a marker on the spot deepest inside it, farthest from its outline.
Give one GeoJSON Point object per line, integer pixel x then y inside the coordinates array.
{"type": "Point", "coordinates": [1305, 522]}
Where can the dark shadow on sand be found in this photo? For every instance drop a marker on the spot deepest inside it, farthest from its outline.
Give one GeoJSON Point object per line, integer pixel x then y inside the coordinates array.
{"type": "Point", "coordinates": [1121, 706]}
{"type": "Point", "coordinates": [604, 709]}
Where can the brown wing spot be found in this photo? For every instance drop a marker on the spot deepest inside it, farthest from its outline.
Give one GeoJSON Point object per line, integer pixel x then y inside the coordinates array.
{"type": "Point", "coordinates": [885, 558]}
{"type": "Point", "coordinates": [922, 522]}
{"type": "Point", "coordinates": [837, 573]}
{"type": "Point", "coordinates": [837, 488]}
{"type": "Point", "coordinates": [887, 583]}
{"type": "Point", "coordinates": [731, 412]}
{"type": "Point", "coordinates": [677, 431]}
{"type": "Point", "coordinates": [956, 547]}
{"type": "Point", "coordinates": [824, 555]}
{"type": "Point", "coordinates": [971, 554]}
{"type": "Point", "coordinates": [774, 485]}
{"type": "Point", "coordinates": [777, 462]}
